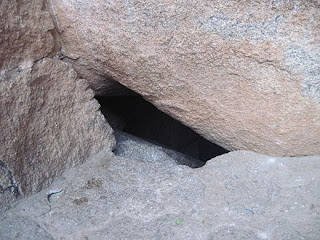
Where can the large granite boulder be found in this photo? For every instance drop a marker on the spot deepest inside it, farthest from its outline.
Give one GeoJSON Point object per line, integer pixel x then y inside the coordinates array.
{"type": "Point", "coordinates": [49, 119]}
{"type": "Point", "coordinates": [243, 75]}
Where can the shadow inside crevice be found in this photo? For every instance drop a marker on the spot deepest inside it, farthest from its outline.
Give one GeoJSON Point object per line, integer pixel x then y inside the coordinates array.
{"type": "Point", "coordinates": [134, 115]}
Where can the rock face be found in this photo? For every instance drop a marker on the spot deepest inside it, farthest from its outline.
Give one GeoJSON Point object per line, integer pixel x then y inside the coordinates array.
{"type": "Point", "coordinates": [240, 195]}
{"type": "Point", "coordinates": [245, 75]}
{"type": "Point", "coordinates": [49, 120]}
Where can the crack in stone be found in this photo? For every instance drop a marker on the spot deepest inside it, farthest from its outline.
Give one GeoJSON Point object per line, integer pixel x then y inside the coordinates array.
{"type": "Point", "coordinates": [7, 181]}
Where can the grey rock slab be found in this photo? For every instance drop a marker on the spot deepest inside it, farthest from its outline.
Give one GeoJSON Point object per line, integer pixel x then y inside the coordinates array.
{"type": "Point", "coordinates": [16, 227]}
{"type": "Point", "coordinates": [240, 195]}
{"type": "Point", "coordinates": [130, 146]}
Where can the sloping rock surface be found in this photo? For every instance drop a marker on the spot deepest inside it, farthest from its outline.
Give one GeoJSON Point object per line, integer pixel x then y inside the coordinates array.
{"type": "Point", "coordinates": [240, 195]}
{"type": "Point", "coordinates": [244, 75]}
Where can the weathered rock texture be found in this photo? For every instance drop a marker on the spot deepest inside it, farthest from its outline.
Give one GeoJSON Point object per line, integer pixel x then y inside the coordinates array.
{"type": "Point", "coordinates": [26, 33]}
{"type": "Point", "coordinates": [245, 75]}
{"type": "Point", "coordinates": [240, 195]}
{"type": "Point", "coordinates": [49, 119]}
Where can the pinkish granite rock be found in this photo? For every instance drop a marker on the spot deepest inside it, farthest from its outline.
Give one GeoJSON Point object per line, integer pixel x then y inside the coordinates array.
{"type": "Point", "coordinates": [49, 119]}
{"type": "Point", "coordinates": [245, 75]}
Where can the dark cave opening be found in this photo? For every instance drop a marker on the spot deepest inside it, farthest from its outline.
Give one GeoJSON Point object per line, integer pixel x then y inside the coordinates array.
{"type": "Point", "coordinates": [132, 114]}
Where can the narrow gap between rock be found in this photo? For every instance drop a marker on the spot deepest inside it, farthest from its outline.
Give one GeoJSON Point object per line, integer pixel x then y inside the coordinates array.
{"type": "Point", "coordinates": [134, 115]}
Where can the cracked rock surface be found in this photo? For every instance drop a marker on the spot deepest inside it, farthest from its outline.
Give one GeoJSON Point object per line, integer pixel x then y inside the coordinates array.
{"type": "Point", "coordinates": [49, 119]}
{"type": "Point", "coordinates": [240, 195]}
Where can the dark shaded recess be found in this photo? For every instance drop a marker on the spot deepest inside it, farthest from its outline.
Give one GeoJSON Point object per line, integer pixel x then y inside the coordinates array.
{"type": "Point", "coordinates": [14, 188]}
{"type": "Point", "coordinates": [136, 116]}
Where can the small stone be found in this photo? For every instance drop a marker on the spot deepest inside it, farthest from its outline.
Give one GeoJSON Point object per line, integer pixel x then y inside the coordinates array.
{"type": "Point", "coordinates": [80, 201]}
{"type": "Point", "coordinates": [93, 183]}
